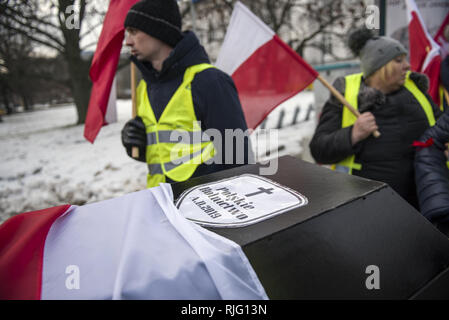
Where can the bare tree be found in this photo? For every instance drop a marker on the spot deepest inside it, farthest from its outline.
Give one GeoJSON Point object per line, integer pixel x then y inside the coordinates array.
{"type": "Point", "coordinates": [56, 25]}
{"type": "Point", "coordinates": [15, 62]}
{"type": "Point", "coordinates": [304, 24]}
{"type": "Point", "coordinates": [324, 26]}
{"type": "Point", "coordinates": [26, 78]}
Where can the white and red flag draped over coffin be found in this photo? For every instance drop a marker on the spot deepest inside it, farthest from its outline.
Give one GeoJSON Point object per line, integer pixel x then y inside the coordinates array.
{"type": "Point", "coordinates": [137, 246]}
{"type": "Point", "coordinates": [266, 71]}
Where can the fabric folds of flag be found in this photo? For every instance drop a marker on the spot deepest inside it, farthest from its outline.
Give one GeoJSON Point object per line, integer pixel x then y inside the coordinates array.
{"type": "Point", "coordinates": [104, 65]}
{"type": "Point", "coordinates": [137, 246]}
{"type": "Point", "coordinates": [424, 51]}
{"type": "Point", "coordinates": [439, 38]}
{"type": "Point", "coordinates": [22, 240]}
{"type": "Point", "coordinates": [266, 71]}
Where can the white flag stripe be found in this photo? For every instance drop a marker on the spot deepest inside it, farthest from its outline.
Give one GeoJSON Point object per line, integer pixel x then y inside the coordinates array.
{"type": "Point", "coordinates": [90, 237]}
{"type": "Point", "coordinates": [253, 33]}
{"type": "Point", "coordinates": [411, 6]}
{"type": "Point", "coordinates": [435, 52]}
{"type": "Point", "coordinates": [158, 263]}
{"type": "Point", "coordinates": [216, 252]}
{"type": "Point", "coordinates": [139, 247]}
{"type": "Point", "coordinates": [111, 111]}
{"type": "Point", "coordinates": [435, 49]}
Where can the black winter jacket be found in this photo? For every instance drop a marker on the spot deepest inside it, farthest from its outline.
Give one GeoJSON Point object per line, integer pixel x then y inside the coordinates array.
{"type": "Point", "coordinates": [215, 99]}
{"type": "Point", "coordinates": [432, 174]}
{"type": "Point", "coordinates": [389, 158]}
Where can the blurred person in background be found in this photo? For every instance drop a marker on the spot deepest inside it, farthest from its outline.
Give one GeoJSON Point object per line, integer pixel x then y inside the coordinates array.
{"type": "Point", "coordinates": [391, 100]}
{"type": "Point", "coordinates": [432, 174]}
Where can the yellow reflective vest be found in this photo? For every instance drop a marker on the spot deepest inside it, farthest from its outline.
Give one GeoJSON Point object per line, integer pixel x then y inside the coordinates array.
{"type": "Point", "coordinates": [353, 82]}
{"type": "Point", "coordinates": [175, 143]}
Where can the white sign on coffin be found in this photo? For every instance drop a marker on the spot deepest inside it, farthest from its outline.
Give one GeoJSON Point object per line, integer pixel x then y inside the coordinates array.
{"type": "Point", "coordinates": [237, 202]}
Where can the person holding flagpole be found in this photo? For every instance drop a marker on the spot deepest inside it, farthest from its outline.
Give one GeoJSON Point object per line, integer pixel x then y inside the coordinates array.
{"type": "Point", "coordinates": [181, 98]}
{"type": "Point", "coordinates": [391, 100]}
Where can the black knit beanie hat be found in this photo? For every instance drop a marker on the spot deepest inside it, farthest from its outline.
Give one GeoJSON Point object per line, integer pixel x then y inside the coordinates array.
{"type": "Point", "coordinates": [158, 18]}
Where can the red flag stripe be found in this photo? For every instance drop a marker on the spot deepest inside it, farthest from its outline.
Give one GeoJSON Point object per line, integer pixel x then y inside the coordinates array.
{"type": "Point", "coordinates": [22, 240]}
{"type": "Point", "coordinates": [271, 75]}
{"type": "Point", "coordinates": [424, 51]}
{"type": "Point", "coordinates": [419, 44]}
{"type": "Point", "coordinates": [104, 65]}
{"type": "Point", "coordinates": [265, 70]}
{"type": "Point", "coordinates": [101, 88]}
{"type": "Point", "coordinates": [309, 71]}
{"type": "Point", "coordinates": [433, 72]}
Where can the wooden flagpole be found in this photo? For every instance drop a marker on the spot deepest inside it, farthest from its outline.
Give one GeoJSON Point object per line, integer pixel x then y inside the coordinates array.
{"type": "Point", "coordinates": [135, 150]}
{"type": "Point", "coordinates": [342, 99]}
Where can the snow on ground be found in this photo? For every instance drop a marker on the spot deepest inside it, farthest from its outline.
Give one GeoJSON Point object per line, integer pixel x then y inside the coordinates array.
{"type": "Point", "coordinates": [295, 121]}
{"type": "Point", "coordinates": [46, 161]}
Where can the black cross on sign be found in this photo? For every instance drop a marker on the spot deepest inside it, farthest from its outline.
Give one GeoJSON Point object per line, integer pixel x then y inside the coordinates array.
{"type": "Point", "coordinates": [262, 190]}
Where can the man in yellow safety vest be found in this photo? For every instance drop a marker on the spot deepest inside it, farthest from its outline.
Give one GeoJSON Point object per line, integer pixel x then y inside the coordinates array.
{"type": "Point", "coordinates": [183, 102]}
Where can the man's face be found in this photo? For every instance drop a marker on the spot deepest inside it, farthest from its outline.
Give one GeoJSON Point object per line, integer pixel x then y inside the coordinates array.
{"type": "Point", "coordinates": [143, 46]}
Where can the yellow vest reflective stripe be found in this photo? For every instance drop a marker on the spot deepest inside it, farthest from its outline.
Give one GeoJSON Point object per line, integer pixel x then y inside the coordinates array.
{"type": "Point", "coordinates": [422, 99]}
{"type": "Point", "coordinates": [442, 97]}
{"type": "Point", "coordinates": [176, 146]}
{"type": "Point", "coordinates": [353, 82]}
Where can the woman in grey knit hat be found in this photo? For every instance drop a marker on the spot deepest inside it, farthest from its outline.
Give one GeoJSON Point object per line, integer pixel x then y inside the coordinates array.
{"type": "Point", "coordinates": [391, 100]}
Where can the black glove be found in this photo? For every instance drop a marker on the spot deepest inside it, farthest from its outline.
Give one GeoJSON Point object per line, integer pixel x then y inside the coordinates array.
{"type": "Point", "coordinates": [134, 135]}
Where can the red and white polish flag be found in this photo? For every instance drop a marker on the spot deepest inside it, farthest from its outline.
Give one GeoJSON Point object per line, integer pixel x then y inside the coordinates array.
{"type": "Point", "coordinates": [102, 107]}
{"type": "Point", "coordinates": [439, 38]}
{"type": "Point", "coordinates": [133, 247]}
{"type": "Point", "coordinates": [424, 51]}
{"type": "Point", "coordinates": [266, 71]}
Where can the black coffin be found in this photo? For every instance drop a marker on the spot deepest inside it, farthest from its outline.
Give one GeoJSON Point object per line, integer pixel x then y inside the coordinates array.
{"type": "Point", "coordinates": [322, 250]}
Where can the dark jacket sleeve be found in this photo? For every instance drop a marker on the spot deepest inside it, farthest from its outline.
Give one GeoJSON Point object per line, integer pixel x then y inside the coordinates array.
{"type": "Point", "coordinates": [331, 143]}
{"type": "Point", "coordinates": [432, 174]}
{"type": "Point", "coordinates": [436, 110]}
{"type": "Point", "coordinates": [217, 106]}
